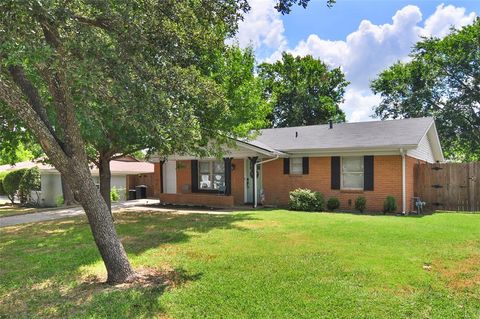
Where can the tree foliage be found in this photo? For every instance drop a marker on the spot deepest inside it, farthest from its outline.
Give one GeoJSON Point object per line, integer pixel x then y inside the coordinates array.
{"type": "Point", "coordinates": [11, 183]}
{"type": "Point", "coordinates": [30, 183]}
{"type": "Point", "coordinates": [303, 91]}
{"type": "Point", "coordinates": [441, 80]}
{"type": "Point", "coordinates": [89, 79]}
{"type": "Point", "coordinates": [285, 6]}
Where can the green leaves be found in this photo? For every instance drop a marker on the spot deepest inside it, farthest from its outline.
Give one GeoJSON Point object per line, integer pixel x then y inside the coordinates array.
{"type": "Point", "coordinates": [152, 75]}
{"type": "Point", "coordinates": [303, 91]}
{"type": "Point", "coordinates": [442, 80]}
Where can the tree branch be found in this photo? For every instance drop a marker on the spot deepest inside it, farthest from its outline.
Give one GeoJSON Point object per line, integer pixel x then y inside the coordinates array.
{"type": "Point", "coordinates": [13, 98]}
{"type": "Point", "coordinates": [33, 97]}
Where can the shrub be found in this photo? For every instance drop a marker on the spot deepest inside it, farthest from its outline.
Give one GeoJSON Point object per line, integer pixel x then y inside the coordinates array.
{"type": "Point", "coordinates": [306, 200]}
{"type": "Point", "coordinates": [2, 176]}
{"type": "Point", "coordinates": [59, 201]}
{"type": "Point", "coordinates": [360, 204]}
{"type": "Point", "coordinates": [11, 183]}
{"type": "Point", "coordinates": [114, 196]}
{"type": "Point", "coordinates": [390, 205]}
{"type": "Point", "coordinates": [333, 203]}
{"type": "Point", "coordinates": [30, 182]}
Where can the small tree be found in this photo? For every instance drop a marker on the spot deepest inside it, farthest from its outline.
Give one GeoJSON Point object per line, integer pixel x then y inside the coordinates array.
{"type": "Point", "coordinates": [11, 183]}
{"type": "Point", "coordinates": [29, 183]}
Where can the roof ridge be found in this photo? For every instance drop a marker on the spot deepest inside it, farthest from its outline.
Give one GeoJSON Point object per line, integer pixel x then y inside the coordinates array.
{"type": "Point", "coordinates": [347, 123]}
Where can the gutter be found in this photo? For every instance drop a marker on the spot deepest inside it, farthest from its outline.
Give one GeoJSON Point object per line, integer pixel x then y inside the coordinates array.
{"type": "Point", "coordinates": [255, 178]}
{"type": "Point", "coordinates": [404, 191]}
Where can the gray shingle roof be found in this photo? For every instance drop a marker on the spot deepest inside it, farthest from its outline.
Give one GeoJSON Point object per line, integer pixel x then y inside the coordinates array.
{"type": "Point", "coordinates": [375, 134]}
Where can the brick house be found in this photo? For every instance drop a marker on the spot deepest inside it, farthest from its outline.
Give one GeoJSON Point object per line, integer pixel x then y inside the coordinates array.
{"type": "Point", "coordinates": [372, 159]}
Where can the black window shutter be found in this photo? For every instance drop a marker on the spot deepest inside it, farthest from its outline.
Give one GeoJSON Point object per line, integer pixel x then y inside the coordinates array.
{"type": "Point", "coordinates": [228, 175]}
{"type": "Point", "coordinates": [194, 164]}
{"type": "Point", "coordinates": [305, 165]}
{"type": "Point", "coordinates": [286, 166]}
{"type": "Point", "coordinates": [368, 173]}
{"type": "Point", "coordinates": [335, 181]}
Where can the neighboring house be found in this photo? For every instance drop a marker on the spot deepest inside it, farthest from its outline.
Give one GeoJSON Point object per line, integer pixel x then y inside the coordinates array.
{"type": "Point", "coordinates": [126, 173]}
{"type": "Point", "coordinates": [347, 160]}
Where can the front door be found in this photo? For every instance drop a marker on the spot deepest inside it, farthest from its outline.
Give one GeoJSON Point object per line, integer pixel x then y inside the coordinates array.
{"type": "Point", "coordinates": [170, 177]}
{"type": "Point", "coordinates": [249, 181]}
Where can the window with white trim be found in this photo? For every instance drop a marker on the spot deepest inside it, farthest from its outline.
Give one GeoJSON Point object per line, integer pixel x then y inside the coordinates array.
{"type": "Point", "coordinates": [296, 165]}
{"type": "Point", "coordinates": [352, 172]}
{"type": "Point", "coordinates": [211, 175]}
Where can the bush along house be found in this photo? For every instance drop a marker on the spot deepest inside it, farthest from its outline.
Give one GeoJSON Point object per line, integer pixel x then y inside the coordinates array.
{"type": "Point", "coordinates": [346, 160]}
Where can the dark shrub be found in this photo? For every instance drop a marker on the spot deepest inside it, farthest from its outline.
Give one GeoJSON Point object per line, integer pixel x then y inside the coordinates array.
{"type": "Point", "coordinates": [11, 183]}
{"type": "Point", "coordinates": [360, 204]}
{"type": "Point", "coordinates": [306, 200]}
{"type": "Point", "coordinates": [390, 205]}
{"type": "Point", "coordinates": [333, 203]}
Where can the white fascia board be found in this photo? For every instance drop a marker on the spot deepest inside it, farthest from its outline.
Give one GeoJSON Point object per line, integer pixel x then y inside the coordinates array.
{"type": "Point", "coordinates": [243, 150]}
{"type": "Point", "coordinates": [352, 151]}
{"type": "Point", "coordinates": [435, 143]}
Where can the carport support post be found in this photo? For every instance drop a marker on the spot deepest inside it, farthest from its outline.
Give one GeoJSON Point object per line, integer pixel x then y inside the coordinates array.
{"type": "Point", "coordinates": [253, 167]}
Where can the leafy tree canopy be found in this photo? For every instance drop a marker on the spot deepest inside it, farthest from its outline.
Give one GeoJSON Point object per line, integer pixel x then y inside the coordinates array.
{"type": "Point", "coordinates": [285, 6]}
{"type": "Point", "coordinates": [442, 80]}
{"type": "Point", "coordinates": [303, 91]}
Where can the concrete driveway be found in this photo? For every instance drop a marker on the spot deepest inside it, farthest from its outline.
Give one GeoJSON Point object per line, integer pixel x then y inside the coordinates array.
{"type": "Point", "coordinates": [69, 212]}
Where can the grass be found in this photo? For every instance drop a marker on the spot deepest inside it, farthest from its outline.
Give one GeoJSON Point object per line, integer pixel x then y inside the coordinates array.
{"type": "Point", "coordinates": [263, 264]}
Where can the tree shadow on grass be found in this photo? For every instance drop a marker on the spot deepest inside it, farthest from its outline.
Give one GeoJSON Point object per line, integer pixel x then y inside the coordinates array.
{"type": "Point", "coordinates": [43, 263]}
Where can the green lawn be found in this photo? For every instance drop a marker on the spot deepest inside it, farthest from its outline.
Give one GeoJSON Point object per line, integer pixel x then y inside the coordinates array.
{"type": "Point", "coordinates": [263, 264]}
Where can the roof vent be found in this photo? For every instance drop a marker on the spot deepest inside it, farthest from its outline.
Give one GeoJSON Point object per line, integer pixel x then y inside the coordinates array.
{"type": "Point", "coordinates": [296, 134]}
{"type": "Point", "coordinates": [330, 123]}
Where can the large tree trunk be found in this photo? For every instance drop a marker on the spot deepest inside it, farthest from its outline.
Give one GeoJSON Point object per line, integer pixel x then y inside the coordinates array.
{"type": "Point", "coordinates": [101, 223]}
{"type": "Point", "coordinates": [70, 159]}
{"type": "Point", "coordinates": [105, 180]}
{"type": "Point", "coordinates": [68, 197]}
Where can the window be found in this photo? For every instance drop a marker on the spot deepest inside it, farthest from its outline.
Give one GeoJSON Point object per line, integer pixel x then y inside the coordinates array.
{"type": "Point", "coordinates": [352, 172]}
{"type": "Point", "coordinates": [211, 175]}
{"type": "Point", "coordinates": [296, 165]}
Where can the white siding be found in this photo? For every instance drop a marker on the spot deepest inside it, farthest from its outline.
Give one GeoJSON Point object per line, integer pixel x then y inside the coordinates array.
{"type": "Point", "coordinates": [423, 151]}
{"type": "Point", "coordinates": [51, 186]}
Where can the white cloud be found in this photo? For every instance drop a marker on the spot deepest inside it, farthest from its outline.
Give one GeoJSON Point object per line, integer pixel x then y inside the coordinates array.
{"type": "Point", "coordinates": [358, 104]}
{"type": "Point", "coordinates": [362, 55]}
{"type": "Point", "coordinates": [262, 27]}
{"type": "Point", "coordinates": [439, 23]}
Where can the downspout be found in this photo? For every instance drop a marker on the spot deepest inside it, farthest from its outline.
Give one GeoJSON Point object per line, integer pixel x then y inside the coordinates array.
{"type": "Point", "coordinates": [255, 178]}
{"type": "Point", "coordinates": [404, 192]}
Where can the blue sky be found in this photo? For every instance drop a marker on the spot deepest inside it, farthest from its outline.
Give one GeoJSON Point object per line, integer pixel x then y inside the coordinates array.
{"type": "Point", "coordinates": [362, 37]}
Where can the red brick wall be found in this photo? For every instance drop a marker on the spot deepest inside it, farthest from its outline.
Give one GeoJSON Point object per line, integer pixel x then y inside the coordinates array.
{"type": "Point", "coordinates": [276, 185]}
{"type": "Point", "coordinates": [238, 185]}
{"type": "Point", "coordinates": [387, 181]}
{"type": "Point", "coordinates": [157, 177]}
{"type": "Point", "coordinates": [184, 176]}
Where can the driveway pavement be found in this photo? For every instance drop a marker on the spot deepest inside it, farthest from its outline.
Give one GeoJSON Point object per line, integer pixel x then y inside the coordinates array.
{"type": "Point", "coordinates": [70, 212]}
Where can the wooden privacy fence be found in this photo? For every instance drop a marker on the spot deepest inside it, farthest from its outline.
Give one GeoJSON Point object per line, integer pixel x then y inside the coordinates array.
{"type": "Point", "coordinates": [448, 186]}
